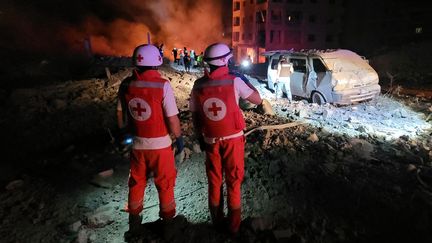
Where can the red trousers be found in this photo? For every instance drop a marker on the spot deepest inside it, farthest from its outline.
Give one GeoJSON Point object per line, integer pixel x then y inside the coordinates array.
{"type": "Point", "coordinates": [226, 156]}
{"type": "Point", "coordinates": [161, 163]}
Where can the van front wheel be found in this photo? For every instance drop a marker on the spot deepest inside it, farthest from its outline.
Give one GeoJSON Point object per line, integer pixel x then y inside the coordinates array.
{"type": "Point", "coordinates": [318, 98]}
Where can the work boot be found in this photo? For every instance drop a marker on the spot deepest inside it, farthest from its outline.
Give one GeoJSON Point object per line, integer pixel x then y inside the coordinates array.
{"type": "Point", "coordinates": [234, 220]}
{"type": "Point", "coordinates": [173, 227]}
{"type": "Point", "coordinates": [134, 226]}
{"type": "Point", "coordinates": [217, 212]}
{"type": "Point", "coordinates": [217, 216]}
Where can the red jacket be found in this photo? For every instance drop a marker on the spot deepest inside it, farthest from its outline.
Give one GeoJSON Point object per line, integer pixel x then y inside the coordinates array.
{"type": "Point", "coordinates": [220, 114]}
{"type": "Point", "coordinates": [144, 100]}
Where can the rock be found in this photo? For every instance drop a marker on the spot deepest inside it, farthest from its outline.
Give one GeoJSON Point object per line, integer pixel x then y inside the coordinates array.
{"type": "Point", "coordinates": [274, 168]}
{"type": "Point", "coordinates": [313, 138]}
{"type": "Point", "coordinates": [106, 173]}
{"type": "Point", "coordinates": [327, 113]}
{"type": "Point", "coordinates": [282, 234]}
{"type": "Point", "coordinates": [179, 158]}
{"type": "Point", "coordinates": [59, 104]}
{"type": "Point", "coordinates": [14, 185]}
{"type": "Point", "coordinates": [411, 168]}
{"type": "Point", "coordinates": [260, 224]}
{"type": "Point", "coordinates": [100, 181]}
{"type": "Point", "coordinates": [82, 236]}
{"type": "Point", "coordinates": [362, 148]}
{"type": "Point", "coordinates": [302, 113]}
{"type": "Point", "coordinates": [187, 153]}
{"type": "Point", "coordinates": [100, 217]}
{"type": "Point", "coordinates": [196, 148]}
{"type": "Point", "coordinates": [265, 108]}
{"type": "Point", "coordinates": [75, 227]}
{"type": "Point", "coordinates": [361, 129]}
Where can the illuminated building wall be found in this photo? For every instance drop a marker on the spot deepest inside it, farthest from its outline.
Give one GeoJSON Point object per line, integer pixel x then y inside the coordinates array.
{"type": "Point", "coordinates": [265, 25]}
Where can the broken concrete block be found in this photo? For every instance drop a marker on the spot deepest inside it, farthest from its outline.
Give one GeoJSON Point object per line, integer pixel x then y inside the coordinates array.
{"type": "Point", "coordinates": [362, 148]}
{"type": "Point", "coordinates": [100, 217]}
{"type": "Point", "coordinates": [327, 113]}
{"type": "Point", "coordinates": [106, 173]}
{"type": "Point", "coordinates": [14, 185]}
{"type": "Point", "coordinates": [313, 138]}
{"type": "Point", "coordinates": [282, 234]}
{"type": "Point", "coordinates": [261, 223]}
{"type": "Point", "coordinates": [196, 148]}
{"type": "Point", "coordinates": [82, 236]}
{"type": "Point", "coordinates": [75, 227]}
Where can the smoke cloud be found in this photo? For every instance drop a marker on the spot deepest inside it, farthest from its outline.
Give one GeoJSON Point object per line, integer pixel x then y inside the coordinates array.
{"type": "Point", "coordinates": [114, 27]}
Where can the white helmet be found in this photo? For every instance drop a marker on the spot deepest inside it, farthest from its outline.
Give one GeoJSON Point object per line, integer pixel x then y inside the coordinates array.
{"type": "Point", "coordinates": [147, 55]}
{"type": "Point", "coordinates": [217, 54]}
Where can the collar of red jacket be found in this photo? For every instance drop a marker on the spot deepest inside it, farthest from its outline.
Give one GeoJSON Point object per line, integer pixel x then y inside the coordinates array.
{"type": "Point", "coordinates": [219, 73]}
{"type": "Point", "coordinates": [149, 74]}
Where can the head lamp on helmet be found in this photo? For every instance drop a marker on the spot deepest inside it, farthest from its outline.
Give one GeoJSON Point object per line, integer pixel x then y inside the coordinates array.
{"type": "Point", "coordinates": [217, 54]}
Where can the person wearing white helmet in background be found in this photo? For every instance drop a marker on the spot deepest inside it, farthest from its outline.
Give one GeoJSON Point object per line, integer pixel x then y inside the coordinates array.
{"type": "Point", "coordinates": [219, 123]}
{"type": "Point", "coordinates": [193, 59]}
{"type": "Point", "coordinates": [148, 100]}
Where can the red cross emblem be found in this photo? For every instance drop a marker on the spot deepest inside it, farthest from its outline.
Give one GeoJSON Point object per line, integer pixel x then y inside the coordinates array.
{"type": "Point", "coordinates": [139, 109]}
{"type": "Point", "coordinates": [214, 109]}
{"type": "Point", "coordinates": [140, 58]}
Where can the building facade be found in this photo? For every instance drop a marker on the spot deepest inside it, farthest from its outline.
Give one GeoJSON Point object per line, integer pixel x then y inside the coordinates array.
{"type": "Point", "coordinates": [265, 25]}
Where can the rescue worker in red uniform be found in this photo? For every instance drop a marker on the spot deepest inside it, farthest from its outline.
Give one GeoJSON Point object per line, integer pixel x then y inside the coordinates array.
{"type": "Point", "coordinates": [149, 102]}
{"type": "Point", "coordinates": [219, 125]}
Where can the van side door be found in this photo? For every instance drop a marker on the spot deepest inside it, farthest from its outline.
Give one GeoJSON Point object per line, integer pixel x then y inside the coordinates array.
{"type": "Point", "coordinates": [298, 77]}
{"type": "Point", "coordinates": [272, 71]}
{"type": "Point", "coordinates": [319, 78]}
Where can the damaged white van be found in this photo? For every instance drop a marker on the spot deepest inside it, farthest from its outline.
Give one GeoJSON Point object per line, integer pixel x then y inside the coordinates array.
{"type": "Point", "coordinates": [333, 76]}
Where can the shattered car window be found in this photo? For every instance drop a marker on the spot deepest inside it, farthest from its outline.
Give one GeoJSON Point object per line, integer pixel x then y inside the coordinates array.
{"type": "Point", "coordinates": [299, 65]}
{"type": "Point", "coordinates": [318, 66]}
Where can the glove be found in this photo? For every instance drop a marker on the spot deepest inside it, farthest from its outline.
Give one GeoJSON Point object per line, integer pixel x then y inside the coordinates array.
{"type": "Point", "coordinates": [179, 144]}
{"type": "Point", "coordinates": [202, 143]}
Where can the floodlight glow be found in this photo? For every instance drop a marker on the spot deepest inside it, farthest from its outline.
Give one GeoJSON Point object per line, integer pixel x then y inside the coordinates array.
{"type": "Point", "coordinates": [245, 63]}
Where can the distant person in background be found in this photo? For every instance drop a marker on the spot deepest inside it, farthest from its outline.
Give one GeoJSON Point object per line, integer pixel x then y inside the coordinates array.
{"type": "Point", "coordinates": [200, 62]}
{"type": "Point", "coordinates": [161, 46]}
{"type": "Point", "coordinates": [174, 52]}
{"type": "Point", "coordinates": [249, 58]}
{"type": "Point", "coordinates": [283, 80]}
{"type": "Point", "coordinates": [181, 57]}
{"type": "Point", "coordinates": [192, 58]}
{"type": "Point", "coordinates": [187, 61]}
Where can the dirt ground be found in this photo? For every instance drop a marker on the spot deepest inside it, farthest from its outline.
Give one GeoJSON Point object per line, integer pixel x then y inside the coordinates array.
{"type": "Point", "coordinates": [335, 178]}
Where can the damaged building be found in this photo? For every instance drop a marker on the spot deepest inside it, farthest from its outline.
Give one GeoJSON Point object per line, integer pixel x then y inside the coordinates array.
{"type": "Point", "coordinates": [261, 25]}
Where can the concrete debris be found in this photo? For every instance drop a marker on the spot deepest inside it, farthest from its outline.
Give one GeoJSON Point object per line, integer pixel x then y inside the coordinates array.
{"type": "Point", "coordinates": [13, 185]}
{"type": "Point", "coordinates": [196, 148]}
{"type": "Point", "coordinates": [101, 181]}
{"type": "Point", "coordinates": [313, 138]}
{"type": "Point", "coordinates": [101, 217]}
{"type": "Point", "coordinates": [75, 227]}
{"type": "Point", "coordinates": [362, 148]}
{"type": "Point", "coordinates": [106, 173]}
{"type": "Point", "coordinates": [282, 234]}
{"type": "Point", "coordinates": [83, 236]}
{"type": "Point", "coordinates": [260, 223]}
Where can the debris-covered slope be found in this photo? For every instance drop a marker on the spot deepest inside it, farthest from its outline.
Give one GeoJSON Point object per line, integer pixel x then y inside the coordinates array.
{"type": "Point", "coordinates": [326, 180]}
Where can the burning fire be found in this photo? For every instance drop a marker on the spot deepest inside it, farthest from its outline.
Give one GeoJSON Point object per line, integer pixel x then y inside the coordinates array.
{"type": "Point", "coordinates": [174, 23]}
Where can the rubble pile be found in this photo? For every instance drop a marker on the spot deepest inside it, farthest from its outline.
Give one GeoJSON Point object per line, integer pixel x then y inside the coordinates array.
{"type": "Point", "coordinates": [344, 174]}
